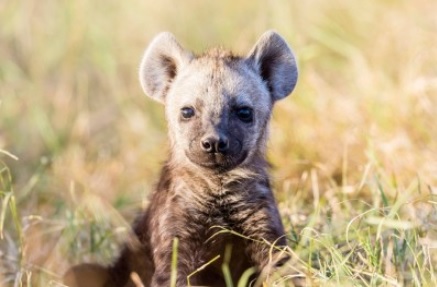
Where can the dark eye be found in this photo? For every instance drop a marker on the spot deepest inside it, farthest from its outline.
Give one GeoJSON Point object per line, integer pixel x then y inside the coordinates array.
{"type": "Point", "coordinates": [187, 112]}
{"type": "Point", "coordinates": [245, 114]}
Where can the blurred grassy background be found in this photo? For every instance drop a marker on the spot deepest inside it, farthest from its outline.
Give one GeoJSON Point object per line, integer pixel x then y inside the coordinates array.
{"type": "Point", "coordinates": [358, 134]}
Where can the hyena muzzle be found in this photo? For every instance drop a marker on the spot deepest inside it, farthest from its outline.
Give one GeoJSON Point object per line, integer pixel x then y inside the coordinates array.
{"type": "Point", "coordinates": [214, 193]}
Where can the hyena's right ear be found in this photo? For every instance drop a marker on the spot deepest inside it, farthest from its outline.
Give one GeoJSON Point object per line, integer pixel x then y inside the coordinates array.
{"type": "Point", "coordinates": [163, 59]}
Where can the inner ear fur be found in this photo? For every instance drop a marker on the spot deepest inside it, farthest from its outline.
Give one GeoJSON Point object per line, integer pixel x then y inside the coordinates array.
{"type": "Point", "coordinates": [161, 62]}
{"type": "Point", "coordinates": [275, 62]}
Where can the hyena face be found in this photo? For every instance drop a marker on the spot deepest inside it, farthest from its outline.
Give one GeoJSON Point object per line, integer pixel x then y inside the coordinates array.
{"type": "Point", "coordinates": [218, 105]}
{"type": "Point", "coordinates": [217, 111]}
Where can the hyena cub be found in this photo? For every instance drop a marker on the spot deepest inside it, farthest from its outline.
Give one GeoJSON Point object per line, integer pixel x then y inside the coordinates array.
{"type": "Point", "coordinates": [214, 192]}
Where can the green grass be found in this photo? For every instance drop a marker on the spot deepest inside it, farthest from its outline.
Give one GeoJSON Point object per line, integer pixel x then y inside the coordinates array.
{"type": "Point", "coordinates": [353, 150]}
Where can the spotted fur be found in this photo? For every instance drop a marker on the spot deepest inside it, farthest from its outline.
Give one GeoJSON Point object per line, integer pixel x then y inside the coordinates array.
{"type": "Point", "coordinates": [214, 192]}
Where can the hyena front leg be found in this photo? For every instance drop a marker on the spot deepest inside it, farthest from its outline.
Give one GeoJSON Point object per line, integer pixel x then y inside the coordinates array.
{"type": "Point", "coordinates": [268, 237]}
{"type": "Point", "coordinates": [163, 263]}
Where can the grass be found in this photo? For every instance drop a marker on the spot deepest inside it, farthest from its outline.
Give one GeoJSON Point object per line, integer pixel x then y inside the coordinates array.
{"type": "Point", "coordinates": [353, 150]}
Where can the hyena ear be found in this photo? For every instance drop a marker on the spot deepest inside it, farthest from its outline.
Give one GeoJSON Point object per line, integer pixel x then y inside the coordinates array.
{"type": "Point", "coordinates": [276, 64]}
{"type": "Point", "coordinates": [161, 62]}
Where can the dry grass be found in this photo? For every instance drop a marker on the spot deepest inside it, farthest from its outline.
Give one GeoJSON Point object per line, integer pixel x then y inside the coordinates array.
{"type": "Point", "coordinates": [354, 150]}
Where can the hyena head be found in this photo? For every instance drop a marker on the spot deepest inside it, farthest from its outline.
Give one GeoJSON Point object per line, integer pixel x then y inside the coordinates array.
{"type": "Point", "coordinates": [218, 105]}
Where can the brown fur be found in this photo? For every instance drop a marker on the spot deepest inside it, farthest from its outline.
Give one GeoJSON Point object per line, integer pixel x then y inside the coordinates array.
{"type": "Point", "coordinates": [212, 202]}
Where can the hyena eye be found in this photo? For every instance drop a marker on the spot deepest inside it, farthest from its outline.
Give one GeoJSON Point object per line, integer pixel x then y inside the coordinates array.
{"type": "Point", "coordinates": [245, 114]}
{"type": "Point", "coordinates": [187, 112]}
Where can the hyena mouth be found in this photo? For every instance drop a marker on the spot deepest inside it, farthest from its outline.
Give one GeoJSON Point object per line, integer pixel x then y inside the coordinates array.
{"type": "Point", "coordinates": [217, 161]}
{"type": "Point", "coordinates": [222, 162]}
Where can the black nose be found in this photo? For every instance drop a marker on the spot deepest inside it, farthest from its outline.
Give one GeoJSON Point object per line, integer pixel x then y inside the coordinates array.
{"type": "Point", "coordinates": [214, 144]}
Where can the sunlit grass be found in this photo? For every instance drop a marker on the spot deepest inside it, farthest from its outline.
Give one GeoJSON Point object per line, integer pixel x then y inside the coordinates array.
{"type": "Point", "coordinates": [353, 150]}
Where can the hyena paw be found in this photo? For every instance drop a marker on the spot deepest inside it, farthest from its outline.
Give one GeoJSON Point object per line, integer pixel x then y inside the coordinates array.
{"type": "Point", "coordinates": [86, 275]}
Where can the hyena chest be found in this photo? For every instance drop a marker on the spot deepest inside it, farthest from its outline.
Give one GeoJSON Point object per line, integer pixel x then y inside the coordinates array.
{"type": "Point", "coordinates": [218, 213]}
{"type": "Point", "coordinates": [219, 234]}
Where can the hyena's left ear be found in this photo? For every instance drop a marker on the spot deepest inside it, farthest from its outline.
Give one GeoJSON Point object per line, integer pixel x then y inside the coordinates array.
{"type": "Point", "coordinates": [276, 64]}
{"type": "Point", "coordinates": [162, 61]}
